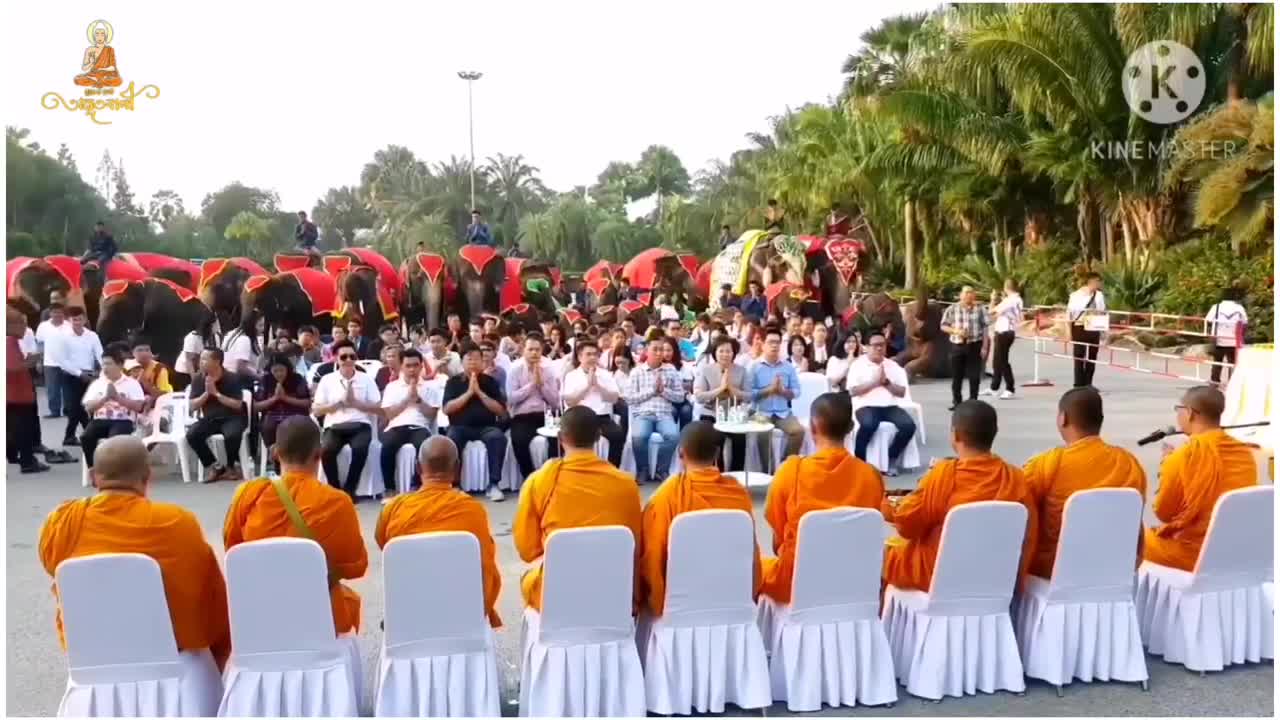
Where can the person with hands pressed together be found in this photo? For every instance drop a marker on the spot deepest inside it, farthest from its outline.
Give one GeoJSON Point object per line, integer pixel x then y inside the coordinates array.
{"type": "Point", "coordinates": [723, 383]}
{"type": "Point", "coordinates": [773, 384]}
{"type": "Point", "coordinates": [474, 403]}
{"type": "Point", "coordinates": [653, 388]}
{"type": "Point", "coordinates": [349, 402]}
{"type": "Point", "coordinates": [217, 395]}
{"type": "Point", "coordinates": [594, 387]}
{"type": "Point", "coordinates": [406, 403]}
{"type": "Point", "coordinates": [113, 401]}
{"type": "Point", "coordinates": [877, 384]}
{"type": "Point", "coordinates": [283, 395]}
{"type": "Point", "coordinates": [532, 389]}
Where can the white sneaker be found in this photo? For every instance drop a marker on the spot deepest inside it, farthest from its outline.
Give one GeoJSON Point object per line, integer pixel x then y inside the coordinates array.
{"type": "Point", "coordinates": [987, 391]}
{"type": "Point", "coordinates": [1007, 395]}
{"type": "Point", "coordinates": [495, 494]}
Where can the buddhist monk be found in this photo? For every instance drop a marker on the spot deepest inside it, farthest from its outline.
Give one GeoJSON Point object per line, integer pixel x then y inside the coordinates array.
{"type": "Point", "coordinates": [700, 486]}
{"type": "Point", "coordinates": [99, 62]}
{"type": "Point", "coordinates": [438, 506]}
{"type": "Point", "coordinates": [1084, 463]}
{"type": "Point", "coordinates": [831, 477]}
{"type": "Point", "coordinates": [579, 490]}
{"type": "Point", "coordinates": [258, 511]}
{"type": "Point", "coordinates": [121, 519]}
{"type": "Point", "coordinates": [1193, 477]}
{"type": "Point", "coordinates": [974, 475]}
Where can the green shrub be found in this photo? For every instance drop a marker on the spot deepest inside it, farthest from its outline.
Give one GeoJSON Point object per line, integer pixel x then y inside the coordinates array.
{"type": "Point", "coordinates": [885, 275]}
{"type": "Point", "coordinates": [1198, 273]}
{"type": "Point", "coordinates": [1132, 285]}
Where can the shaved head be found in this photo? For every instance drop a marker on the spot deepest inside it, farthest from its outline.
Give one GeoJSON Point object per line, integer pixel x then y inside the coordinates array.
{"type": "Point", "coordinates": [974, 423]}
{"type": "Point", "coordinates": [121, 462]}
{"type": "Point", "coordinates": [579, 428]}
{"type": "Point", "coordinates": [700, 443]}
{"type": "Point", "coordinates": [1207, 402]}
{"type": "Point", "coordinates": [438, 458]}
{"type": "Point", "coordinates": [832, 416]}
{"type": "Point", "coordinates": [1081, 409]}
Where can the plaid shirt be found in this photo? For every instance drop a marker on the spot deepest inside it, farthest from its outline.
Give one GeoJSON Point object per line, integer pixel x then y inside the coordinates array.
{"type": "Point", "coordinates": [641, 384]}
{"type": "Point", "coordinates": [972, 321]}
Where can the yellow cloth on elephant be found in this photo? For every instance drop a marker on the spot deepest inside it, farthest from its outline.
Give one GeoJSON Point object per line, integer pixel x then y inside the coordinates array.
{"type": "Point", "coordinates": [731, 266]}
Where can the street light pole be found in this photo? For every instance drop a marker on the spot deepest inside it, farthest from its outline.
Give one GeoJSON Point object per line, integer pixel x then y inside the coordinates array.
{"type": "Point", "coordinates": [471, 76]}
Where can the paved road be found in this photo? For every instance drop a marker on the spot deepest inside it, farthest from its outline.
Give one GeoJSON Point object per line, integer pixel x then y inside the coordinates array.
{"type": "Point", "coordinates": [1136, 404]}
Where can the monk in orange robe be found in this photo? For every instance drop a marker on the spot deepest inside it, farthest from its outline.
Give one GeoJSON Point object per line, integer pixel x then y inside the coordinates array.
{"type": "Point", "coordinates": [699, 487]}
{"type": "Point", "coordinates": [831, 477]}
{"type": "Point", "coordinates": [99, 63]}
{"type": "Point", "coordinates": [974, 475]}
{"type": "Point", "coordinates": [257, 512]}
{"type": "Point", "coordinates": [579, 490]}
{"type": "Point", "coordinates": [1193, 477]}
{"type": "Point", "coordinates": [1084, 463]}
{"type": "Point", "coordinates": [121, 519]}
{"type": "Point", "coordinates": [438, 506]}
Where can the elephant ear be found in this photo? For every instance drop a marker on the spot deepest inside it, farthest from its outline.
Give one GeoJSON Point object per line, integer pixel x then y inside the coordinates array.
{"type": "Point", "coordinates": [335, 264]}
{"type": "Point", "coordinates": [116, 287]}
{"type": "Point", "coordinates": [256, 283]}
{"type": "Point", "coordinates": [477, 256]}
{"type": "Point", "coordinates": [430, 264]}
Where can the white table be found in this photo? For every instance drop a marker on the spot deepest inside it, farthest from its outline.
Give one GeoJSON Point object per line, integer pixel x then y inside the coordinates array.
{"type": "Point", "coordinates": [748, 427]}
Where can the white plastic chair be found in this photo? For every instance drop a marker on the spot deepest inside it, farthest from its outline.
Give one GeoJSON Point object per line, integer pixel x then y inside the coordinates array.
{"type": "Point", "coordinates": [124, 661]}
{"type": "Point", "coordinates": [957, 639]}
{"type": "Point", "coordinates": [878, 448]}
{"type": "Point", "coordinates": [370, 366]}
{"type": "Point", "coordinates": [706, 649]}
{"type": "Point", "coordinates": [1082, 623]}
{"type": "Point", "coordinates": [176, 407]}
{"type": "Point", "coordinates": [438, 656]}
{"type": "Point", "coordinates": [218, 445]}
{"type": "Point", "coordinates": [580, 656]}
{"type": "Point", "coordinates": [1219, 614]}
{"type": "Point", "coordinates": [475, 467]}
{"type": "Point", "coordinates": [285, 660]}
{"type": "Point", "coordinates": [828, 646]}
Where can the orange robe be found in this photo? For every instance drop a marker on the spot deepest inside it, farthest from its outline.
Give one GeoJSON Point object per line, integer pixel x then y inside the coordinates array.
{"type": "Point", "coordinates": [579, 491]}
{"type": "Point", "coordinates": [1192, 478]}
{"type": "Point", "coordinates": [120, 523]}
{"type": "Point", "coordinates": [257, 513]}
{"type": "Point", "coordinates": [910, 557]}
{"type": "Point", "coordinates": [700, 489]}
{"type": "Point", "coordinates": [97, 75]}
{"type": "Point", "coordinates": [826, 479]}
{"type": "Point", "coordinates": [1054, 476]}
{"type": "Point", "coordinates": [440, 508]}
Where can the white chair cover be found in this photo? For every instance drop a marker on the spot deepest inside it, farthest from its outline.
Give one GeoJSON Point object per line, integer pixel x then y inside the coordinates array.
{"type": "Point", "coordinates": [475, 466]}
{"type": "Point", "coordinates": [1082, 623]}
{"type": "Point", "coordinates": [878, 448]}
{"type": "Point", "coordinates": [128, 666]}
{"type": "Point", "coordinates": [1219, 614]}
{"type": "Point", "coordinates": [755, 463]}
{"type": "Point", "coordinates": [706, 649]}
{"type": "Point", "coordinates": [285, 660]}
{"type": "Point", "coordinates": [437, 653]}
{"type": "Point", "coordinates": [580, 656]}
{"type": "Point", "coordinates": [175, 407]}
{"type": "Point", "coordinates": [406, 468]}
{"type": "Point", "coordinates": [957, 639]}
{"type": "Point", "coordinates": [371, 482]}
{"type": "Point", "coordinates": [829, 646]}
{"type": "Point", "coordinates": [511, 476]}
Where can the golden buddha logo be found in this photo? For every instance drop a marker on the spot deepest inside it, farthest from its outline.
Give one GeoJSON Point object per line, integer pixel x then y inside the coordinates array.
{"type": "Point", "coordinates": [100, 77]}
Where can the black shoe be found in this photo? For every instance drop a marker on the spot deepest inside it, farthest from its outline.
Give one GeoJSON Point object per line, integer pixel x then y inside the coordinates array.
{"type": "Point", "coordinates": [39, 449]}
{"type": "Point", "coordinates": [70, 442]}
{"type": "Point", "coordinates": [51, 417]}
{"type": "Point", "coordinates": [58, 457]}
{"type": "Point", "coordinates": [37, 467]}
{"type": "Point", "coordinates": [953, 407]}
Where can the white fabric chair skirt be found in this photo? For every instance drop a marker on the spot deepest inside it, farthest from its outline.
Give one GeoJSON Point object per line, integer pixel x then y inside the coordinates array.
{"type": "Point", "coordinates": [192, 688]}
{"type": "Point", "coordinates": [955, 655]}
{"type": "Point", "coordinates": [461, 684]}
{"type": "Point", "coordinates": [371, 482]}
{"type": "Point", "coordinates": [1088, 641]}
{"type": "Point", "coordinates": [512, 480]}
{"type": "Point", "coordinates": [701, 668]}
{"type": "Point", "coordinates": [406, 467]}
{"type": "Point", "coordinates": [301, 685]}
{"type": "Point", "coordinates": [1203, 630]}
{"type": "Point", "coordinates": [607, 679]}
{"type": "Point", "coordinates": [878, 448]}
{"type": "Point", "coordinates": [836, 663]}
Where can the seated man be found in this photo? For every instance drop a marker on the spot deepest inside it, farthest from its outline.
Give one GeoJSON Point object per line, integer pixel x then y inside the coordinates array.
{"type": "Point", "coordinates": [326, 515]}
{"type": "Point", "coordinates": [440, 507]}
{"type": "Point", "coordinates": [594, 387]}
{"type": "Point", "coordinates": [580, 490]}
{"type": "Point", "coordinates": [1193, 477]}
{"type": "Point", "coordinates": [532, 389]}
{"type": "Point", "coordinates": [391, 356]}
{"type": "Point", "coordinates": [830, 477]}
{"type": "Point", "coordinates": [652, 390]}
{"type": "Point", "coordinates": [877, 384]}
{"type": "Point", "coordinates": [475, 403]}
{"type": "Point", "coordinates": [113, 401]}
{"type": "Point", "coordinates": [121, 519]}
{"type": "Point", "coordinates": [974, 475]}
{"type": "Point", "coordinates": [406, 403]}
{"type": "Point", "coordinates": [347, 400]}
{"type": "Point", "coordinates": [216, 394]}
{"type": "Point", "coordinates": [1084, 464]}
{"type": "Point", "coordinates": [699, 487]}
{"type": "Point", "coordinates": [442, 360]}
{"type": "Point", "coordinates": [773, 383]}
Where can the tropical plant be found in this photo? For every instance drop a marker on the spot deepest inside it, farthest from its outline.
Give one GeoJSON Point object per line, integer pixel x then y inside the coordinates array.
{"type": "Point", "coordinates": [1131, 284]}
{"type": "Point", "coordinates": [515, 190]}
{"type": "Point", "coordinates": [251, 233]}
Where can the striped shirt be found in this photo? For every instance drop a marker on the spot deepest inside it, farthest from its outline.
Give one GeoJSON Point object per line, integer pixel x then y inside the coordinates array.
{"type": "Point", "coordinates": [972, 322]}
{"type": "Point", "coordinates": [642, 383]}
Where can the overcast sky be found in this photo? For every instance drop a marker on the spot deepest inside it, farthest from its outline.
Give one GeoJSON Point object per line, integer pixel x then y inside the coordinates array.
{"type": "Point", "coordinates": [297, 97]}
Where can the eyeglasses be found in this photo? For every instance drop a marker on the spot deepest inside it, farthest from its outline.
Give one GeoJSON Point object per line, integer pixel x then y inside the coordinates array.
{"type": "Point", "coordinates": [875, 344]}
{"type": "Point", "coordinates": [346, 356]}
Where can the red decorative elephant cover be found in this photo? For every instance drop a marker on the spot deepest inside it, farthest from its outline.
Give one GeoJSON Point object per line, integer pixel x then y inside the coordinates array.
{"type": "Point", "coordinates": [775, 291]}
{"type": "Point", "coordinates": [11, 270]}
{"type": "Point", "coordinates": [844, 255]}
{"type": "Point", "coordinates": [375, 260]}
{"type": "Point", "coordinates": [152, 262]}
{"type": "Point", "coordinates": [116, 287]}
{"type": "Point", "coordinates": [321, 289]}
{"type": "Point", "coordinates": [478, 256]}
{"type": "Point", "coordinates": [601, 270]}
{"type": "Point", "coordinates": [642, 270]}
{"type": "Point", "coordinates": [335, 265]}
{"type": "Point", "coordinates": [213, 267]}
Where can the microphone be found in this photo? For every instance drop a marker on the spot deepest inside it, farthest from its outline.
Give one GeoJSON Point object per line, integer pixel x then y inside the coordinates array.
{"type": "Point", "coordinates": [1159, 435]}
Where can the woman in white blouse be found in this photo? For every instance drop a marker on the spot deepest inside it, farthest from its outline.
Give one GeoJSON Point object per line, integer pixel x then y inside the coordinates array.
{"type": "Point", "coordinates": [838, 366]}
{"type": "Point", "coordinates": [1008, 315]}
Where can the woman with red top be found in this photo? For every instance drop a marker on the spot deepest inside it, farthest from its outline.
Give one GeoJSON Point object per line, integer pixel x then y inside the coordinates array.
{"type": "Point", "coordinates": [20, 399]}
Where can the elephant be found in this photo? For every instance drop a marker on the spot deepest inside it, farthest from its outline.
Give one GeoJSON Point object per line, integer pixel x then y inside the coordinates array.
{"type": "Point", "coordinates": [529, 281]}
{"type": "Point", "coordinates": [927, 353]}
{"type": "Point", "coordinates": [522, 315]}
{"type": "Point", "coordinates": [841, 273]}
{"type": "Point", "coordinates": [285, 262]}
{"type": "Point", "coordinates": [872, 313]}
{"type": "Point", "coordinates": [782, 298]}
{"type": "Point", "coordinates": [572, 290]}
{"type": "Point", "coordinates": [29, 282]}
{"type": "Point", "coordinates": [361, 294]}
{"type": "Point", "coordinates": [93, 278]}
{"type": "Point", "coordinates": [431, 290]}
{"type": "Point", "coordinates": [291, 299]}
{"type": "Point", "coordinates": [222, 282]}
{"type": "Point", "coordinates": [600, 292]}
{"type": "Point", "coordinates": [184, 273]}
{"type": "Point", "coordinates": [482, 273]}
{"type": "Point", "coordinates": [157, 310]}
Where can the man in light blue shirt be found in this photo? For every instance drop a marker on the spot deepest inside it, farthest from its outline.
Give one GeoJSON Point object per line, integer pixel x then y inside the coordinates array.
{"type": "Point", "coordinates": [773, 384]}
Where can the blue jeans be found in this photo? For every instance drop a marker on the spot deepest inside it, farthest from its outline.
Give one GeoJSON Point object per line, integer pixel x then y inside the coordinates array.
{"type": "Point", "coordinates": [53, 386]}
{"type": "Point", "coordinates": [643, 426]}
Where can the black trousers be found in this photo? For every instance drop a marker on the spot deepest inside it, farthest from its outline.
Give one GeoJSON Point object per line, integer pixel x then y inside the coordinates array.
{"type": "Point", "coordinates": [392, 440]}
{"type": "Point", "coordinates": [229, 427]}
{"type": "Point", "coordinates": [1001, 369]}
{"type": "Point", "coordinates": [73, 387]}
{"type": "Point", "coordinates": [1222, 354]}
{"type": "Point", "coordinates": [624, 415]}
{"type": "Point", "coordinates": [98, 431]}
{"type": "Point", "coordinates": [869, 419]}
{"type": "Point", "coordinates": [616, 435]}
{"type": "Point", "coordinates": [357, 435]}
{"type": "Point", "coordinates": [21, 433]}
{"type": "Point", "coordinates": [1084, 355]}
{"type": "Point", "coordinates": [495, 442]}
{"type": "Point", "coordinates": [524, 428]}
{"type": "Point", "coordinates": [737, 448]}
{"type": "Point", "coordinates": [966, 362]}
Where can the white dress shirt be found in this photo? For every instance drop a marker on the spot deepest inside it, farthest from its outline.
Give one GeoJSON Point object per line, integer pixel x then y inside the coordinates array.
{"type": "Point", "coordinates": [1078, 303]}
{"type": "Point", "coordinates": [237, 346]}
{"type": "Point", "coordinates": [192, 343]}
{"type": "Point", "coordinates": [863, 371]}
{"type": "Point", "coordinates": [1222, 320]}
{"type": "Point", "coordinates": [575, 381]}
{"type": "Point", "coordinates": [77, 354]}
{"type": "Point", "coordinates": [396, 392]}
{"type": "Point", "coordinates": [837, 371]}
{"type": "Point", "coordinates": [43, 334]}
{"type": "Point", "coordinates": [126, 387]}
{"type": "Point", "coordinates": [333, 387]}
{"type": "Point", "coordinates": [1009, 313]}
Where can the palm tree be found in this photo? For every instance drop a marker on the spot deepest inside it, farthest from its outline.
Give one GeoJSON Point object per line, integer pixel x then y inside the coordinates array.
{"type": "Point", "coordinates": [516, 190]}
{"type": "Point", "coordinates": [660, 173]}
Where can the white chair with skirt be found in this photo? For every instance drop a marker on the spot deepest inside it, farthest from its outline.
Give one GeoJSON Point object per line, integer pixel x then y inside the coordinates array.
{"type": "Point", "coordinates": [406, 468]}
{"type": "Point", "coordinates": [828, 646]}
{"type": "Point", "coordinates": [1082, 623]}
{"type": "Point", "coordinates": [371, 483]}
{"type": "Point", "coordinates": [285, 660]}
{"type": "Point", "coordinates": [957, 639]}
{"type": "Point", "coordinates": [438, 655]}
{"type": "Point", "coordinates": [1219, 614]}
{"type": "Point", "coordinates": [878, 448]}
{"type": "Point", "coordinates": [812, 384]}
{"type": "Point", "coordinates": [124, 661]}
{"type": "Point", "coordinates": [512, 479]}
{"type": "Point", "coordinates": [579, 653]}
{"type": "Point", "coordinates": [706, 649]}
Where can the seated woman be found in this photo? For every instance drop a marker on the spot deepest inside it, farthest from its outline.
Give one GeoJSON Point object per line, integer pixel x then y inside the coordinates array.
{"type": "Point", "coordinates": [283, 395]}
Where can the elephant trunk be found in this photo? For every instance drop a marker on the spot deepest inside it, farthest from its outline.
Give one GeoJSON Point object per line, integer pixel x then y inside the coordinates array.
{"type": "Point", "coordinates": [433, 302]}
